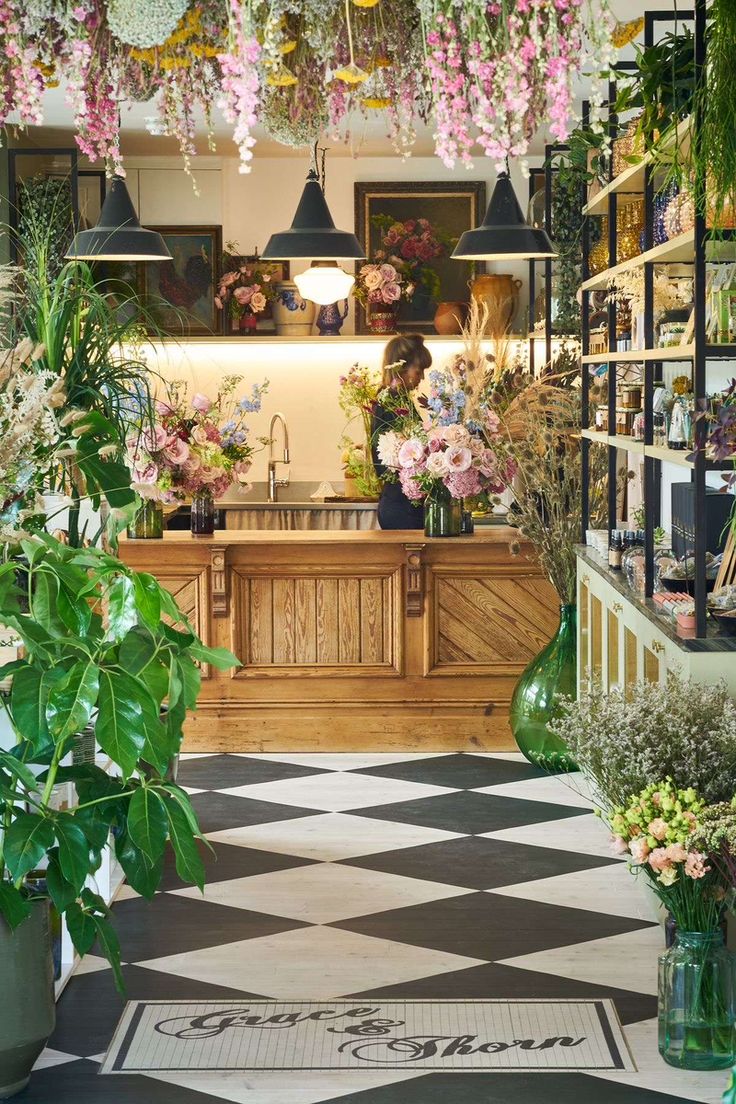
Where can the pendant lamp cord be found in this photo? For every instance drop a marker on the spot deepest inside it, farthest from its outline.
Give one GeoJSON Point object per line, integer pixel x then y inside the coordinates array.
{"type": "Point", "coordinates": [319, 157]}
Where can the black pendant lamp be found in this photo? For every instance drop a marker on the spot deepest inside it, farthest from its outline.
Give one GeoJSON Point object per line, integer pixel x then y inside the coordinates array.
{"type": "Point", "coordinates": [504, 233]}
{"type": "Point", "coordinates": [313, 233]}
{"type": "Point", "coordinates": [118, 235]}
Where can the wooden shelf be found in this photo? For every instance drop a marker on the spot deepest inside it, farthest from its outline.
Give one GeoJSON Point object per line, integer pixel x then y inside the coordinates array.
{"type": "Point", "coordinates": [632, 178]}
{"type": "Point", "coordinates": [669, 455]}
{"type": "Point", "coordinates": [638, 356]}
{"type": "Point", "coordinates": [617, 440]}
{"type": "Point", "coordinates": [678, 250]}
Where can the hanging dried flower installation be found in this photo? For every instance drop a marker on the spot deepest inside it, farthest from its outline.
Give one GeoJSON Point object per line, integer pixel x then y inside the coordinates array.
{"type": "Point", "coordinates": [489, 72]}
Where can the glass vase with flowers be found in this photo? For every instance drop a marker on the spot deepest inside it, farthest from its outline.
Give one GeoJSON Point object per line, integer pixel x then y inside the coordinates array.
{"type": "Point", "coordinates": [683, 849]}
{"type": "Point", "coordinates": [446, 458]}
{"type": "Point", "coordinates": [358, 390]}
{"type": "Point", "coordinates": [196, 449]}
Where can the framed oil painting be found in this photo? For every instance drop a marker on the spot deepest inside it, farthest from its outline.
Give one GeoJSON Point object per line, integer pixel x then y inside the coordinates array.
{"type": "Point", "coordinates": [180, 293]}
{"type": "Point", "coordinates": [387, 218]}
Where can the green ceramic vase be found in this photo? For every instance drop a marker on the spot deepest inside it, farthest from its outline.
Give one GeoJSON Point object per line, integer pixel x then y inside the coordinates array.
{"type": "Point", "coordinates": [535, 701]}
{"type": "Point", "coordinates": [28, 1012]}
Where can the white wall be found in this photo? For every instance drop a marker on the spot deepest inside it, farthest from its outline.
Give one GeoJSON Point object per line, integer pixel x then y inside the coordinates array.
{"type": "Point", "coordinates": [252, 207]}
{"type": "Point", "coordinates": [304, 386]}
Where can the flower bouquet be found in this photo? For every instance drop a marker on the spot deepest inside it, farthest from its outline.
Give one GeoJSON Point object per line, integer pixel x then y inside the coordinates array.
{"type": "Point", "coordinates": [196, 448]}
{"type": "Point", "coordinates": [358, 390]}
{"type": "Point", "coordinates": [443, 463]}
{"type": "Point", "coordinates": [684, 851]}
{"type": "Point", "coordinates": [245, 292]}
{"type": "Point", "coordinates": [380, 288]}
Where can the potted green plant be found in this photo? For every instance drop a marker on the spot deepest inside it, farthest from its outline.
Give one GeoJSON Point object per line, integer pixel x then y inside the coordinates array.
{"type": "Point", "coordinates": [109, 646]}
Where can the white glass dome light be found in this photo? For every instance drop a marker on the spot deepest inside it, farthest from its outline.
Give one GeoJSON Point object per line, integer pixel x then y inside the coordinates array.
{"type": "Point", "coordinates": [324, 282]}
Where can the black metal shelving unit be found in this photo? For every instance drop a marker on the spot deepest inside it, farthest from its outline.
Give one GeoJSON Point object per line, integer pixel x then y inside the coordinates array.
{"type": "Point", "coordinates": [689, 248]}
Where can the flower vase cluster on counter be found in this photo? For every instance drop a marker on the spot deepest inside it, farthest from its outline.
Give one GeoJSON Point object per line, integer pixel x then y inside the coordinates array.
{"type": "Point", "coordinates": [661, 760]}
{"type": "Point", "coordinates": [195, 450]}
{"type": "Point", "coordinates": [449, 459]}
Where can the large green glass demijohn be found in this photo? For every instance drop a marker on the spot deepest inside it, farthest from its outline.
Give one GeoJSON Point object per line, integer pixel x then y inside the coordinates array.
{"type": "Point", "coordinates": [536, 697]}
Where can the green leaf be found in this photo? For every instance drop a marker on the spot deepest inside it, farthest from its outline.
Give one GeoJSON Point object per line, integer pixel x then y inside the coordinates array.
{"type": "Point", "coordinates": [170, 607]}
{"type": "Point", "coordinates": [143, 875]}
{"type": "Point", "coordinates": [70, 704]}
{"type": "Point", "coordinates": [82, 927]}
{"type": "Point", "coordinates": [122, 612]}
{"type": "Point", "coordinates": [26, 842]}
{"type": "Point", "coordinates": [28, 706]}
{"type": "Point", "coordinates": [110, 946]}
{"type": "Point", "coordinates": [182, 800]}
{"type": "Point", "coordinates": [33, 635]}
{"type": "Point", "coordinates": [44, 602]}
{"type": "Point", "coordinates": [14, 766]}
{"type": "Point", "coordinates": [120, 726]}
{"type": "Point", "coordinates": [189, 865]}
{"type": "Point", "coordinates": [75, 613]}
{"type": "Point", "coordinates": [218, 657]}
{"type": "Point", "coordinates": [147, 822]}
{"type": "Point", "coordinates": [61, 891]}
{"type": "Point", "coordinates": [111, 477]}
{"type": "Point", "coordinates": [137, 649]}
{"type": "Point", "coordinates": [13, 905]}
{"type": "Point", "coordinates": [191, 680]}
{"type": "Point", "coordinates": [73, 850]}
{"type": "Point", "coordinates": [95, 823]}
{"type": "Point", "coordinates": [148, 598]}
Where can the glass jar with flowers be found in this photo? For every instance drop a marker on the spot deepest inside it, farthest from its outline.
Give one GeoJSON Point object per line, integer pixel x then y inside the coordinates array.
{"type": "Point", "coordinates": [196, 449]}
{"type": "Point", "coordinates": [683, 848]}
{"type": "Point", "coordinates": [245, 292]}
{"type": "Point", "coordinates": [448, 458]}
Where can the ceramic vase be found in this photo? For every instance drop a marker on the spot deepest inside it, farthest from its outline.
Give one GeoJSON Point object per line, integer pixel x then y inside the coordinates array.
{"type": "Point", "coordinates": [499, 292]}
{"type": "Point", "coordinates": [381, 317]}
{"type": "Point", "coordinates": [330, 319]}
{"type": "Point", "coordinates": [27, 984]}
{"type": "Point", "coordinates": [536, 698]}
{"type": "Point", "coordinates": [449, 318]}
{"type": "Point", "coordinates": [248, 323]}
{"type": "Point", "coordinates": [292, 315]}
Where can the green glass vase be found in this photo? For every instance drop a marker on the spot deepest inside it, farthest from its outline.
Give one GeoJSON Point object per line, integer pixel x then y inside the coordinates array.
{"type": "Point", "coordinates": [148, 523]}
{"type": "Point", "coordinates": [697, 1002]}
{"type": "Point", "coordinates": [443, 517]}
{"type": "Point", "coordinates": [535, 702]}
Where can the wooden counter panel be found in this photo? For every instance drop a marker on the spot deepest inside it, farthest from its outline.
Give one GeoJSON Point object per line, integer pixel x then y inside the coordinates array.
{"type": "Point", "coordinates": [489, 623]}
{"type": "Point", "coordinates": [298, 625]}
{"type": "Point", "coordinates": [356, 640]}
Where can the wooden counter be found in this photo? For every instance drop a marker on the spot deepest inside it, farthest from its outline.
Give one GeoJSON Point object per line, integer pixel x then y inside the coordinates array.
{"type": "Point", "coordinates": [349, 640]}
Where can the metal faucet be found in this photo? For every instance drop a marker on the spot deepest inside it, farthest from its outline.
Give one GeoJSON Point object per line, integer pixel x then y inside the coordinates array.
{"type": "Point", "coordinates": [273, 482]}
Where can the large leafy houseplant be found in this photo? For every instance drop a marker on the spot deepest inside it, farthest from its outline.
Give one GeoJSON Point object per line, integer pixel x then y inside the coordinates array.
{"type": "Point", "coordinates": [85, 341]}
{"type": "Point", "coordinates": [107, 646]}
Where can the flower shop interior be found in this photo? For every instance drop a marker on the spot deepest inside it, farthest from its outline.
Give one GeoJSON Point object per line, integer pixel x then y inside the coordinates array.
{"type": "Point", "coordinates": [367, 551]}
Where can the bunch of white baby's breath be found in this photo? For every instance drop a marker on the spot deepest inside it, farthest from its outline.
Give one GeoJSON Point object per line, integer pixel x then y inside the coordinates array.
{"type": "Point", "coordinates": [680, 729]}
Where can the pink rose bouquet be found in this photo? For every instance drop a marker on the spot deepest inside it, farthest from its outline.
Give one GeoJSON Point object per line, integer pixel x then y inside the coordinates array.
{"type": "Point", "coordinates": [381, 283]}
{"type": "Point", "coordinates": [412, 246]}
{"type": "Point", "coordinates": [444, 459]}
{"type": "Point", "coordinates": [197, 446]}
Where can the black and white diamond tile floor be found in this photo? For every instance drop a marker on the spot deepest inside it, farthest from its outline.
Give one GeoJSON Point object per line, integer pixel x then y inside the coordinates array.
{"type": "Point", "coordinates": [376, 876]}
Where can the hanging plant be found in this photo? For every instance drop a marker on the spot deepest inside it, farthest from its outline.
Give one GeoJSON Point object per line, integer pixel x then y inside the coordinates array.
{"type": "Point", "coordinates": [241, 81]}
{"type": "Point", "coordinates": [500, 71]}
{"type": "Point", "coordinates": [716, 99]}
{"type": "Point", "coordinates": [144, 23]}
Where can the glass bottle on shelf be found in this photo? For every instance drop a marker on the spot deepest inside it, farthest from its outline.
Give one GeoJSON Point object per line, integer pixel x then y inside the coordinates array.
{"type": "Point", "coordinates": [615, 549]}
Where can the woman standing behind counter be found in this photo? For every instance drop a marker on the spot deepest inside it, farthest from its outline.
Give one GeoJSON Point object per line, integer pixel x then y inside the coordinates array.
{"type": "Point", "coordinates": [410, 359]}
